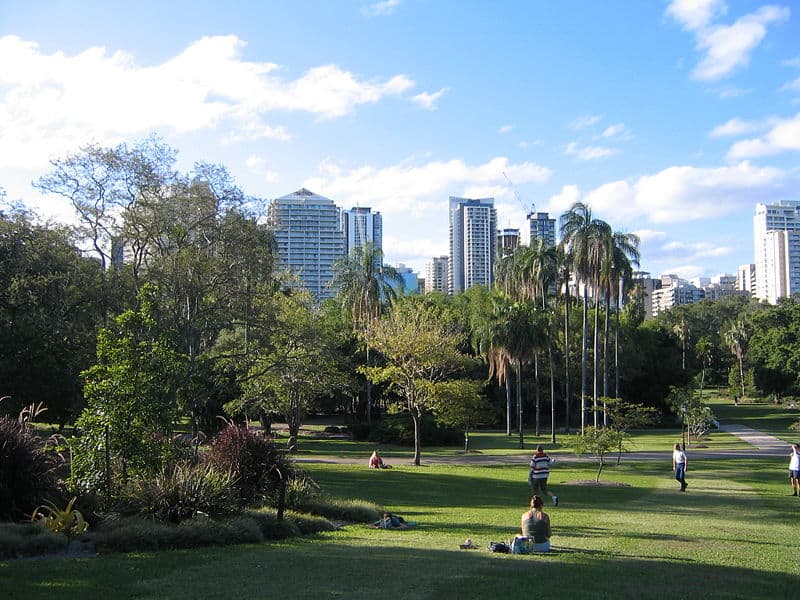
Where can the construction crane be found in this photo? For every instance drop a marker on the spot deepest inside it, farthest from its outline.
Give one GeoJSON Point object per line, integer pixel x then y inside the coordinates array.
{"type": "Point", "coordinates": [517, 196]}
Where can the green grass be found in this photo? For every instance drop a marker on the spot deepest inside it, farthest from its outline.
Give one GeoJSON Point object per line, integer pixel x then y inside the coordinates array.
{"type": "Point", "coordinates": [768, 417]}
{"type": "Point", "coordinates": [732, 535]}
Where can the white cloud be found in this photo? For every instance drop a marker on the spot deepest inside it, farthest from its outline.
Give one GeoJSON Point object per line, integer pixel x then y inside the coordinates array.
{"type": "Point", "coordinates": [616, 131]}
{"type": "Point", "coordinates": [51, 103]}
{"type": "Point", "coordinates": [428, 101]}
{"type": "Point", "coordinates": [695, 14]}
{"type": "Point", "coordinates": [584, 122]}
{"type": "Point", "coordinates": [792, 86]}
{"type": "Point", "coordinates": [409, 188]}
{"type": "Point", "coordinates": [783, 136]}
{"type": "Point", "coordinates": [649, 235]}
{"type": "Point", "coordinates": [693, 251]}
{"type": "Point", "coordinates": [380, 9]}
{"type": "Point", "coordinates": [683, 193]}
{"type": "Point", "coordinates": [588, 152]}
{"type": "Point", "coordinates": [736, 127]}
{"type": "Point", "coordinates": [505, 129]}
{"type": "Point", "coordinates": [561, 202]}
{"type": "Point", "coordinates": [733, 92]}
{"type": "Point", "coordinates": [727, 47]}
{"type": "Point", "coordinates": [792, 62]}
{"type": "Point", "coordinates": [254, 162]}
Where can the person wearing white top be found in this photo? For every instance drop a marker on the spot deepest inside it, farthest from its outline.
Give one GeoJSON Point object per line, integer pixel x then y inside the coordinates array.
{"type": "Point", "coordinates": [679, 466]}
{"type": "Point", "coordinates": [794, 470]}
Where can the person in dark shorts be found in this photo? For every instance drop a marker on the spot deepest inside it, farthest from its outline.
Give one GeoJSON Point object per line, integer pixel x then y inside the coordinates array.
{"type": "Point", "coordinates": [794, 470]}
{"type": "Point", "coordinates": [540, 471]}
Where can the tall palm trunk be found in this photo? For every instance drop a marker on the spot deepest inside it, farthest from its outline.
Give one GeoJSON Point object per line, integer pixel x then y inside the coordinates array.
{"type": "Point", "coordinates": [605, 354]}
{"type": "Point", "coordinates": [508, 404]}
{"type": "Point", "coordinates": [596, 354]}
{"type": "Point", "coordinates": [369, 394]}
{"type": "Point", "coordinates": [616, 343]}
{"type": "Point", "coordinates": [536, 385]}
{"type": "Point", "coordinates": [552, 396]}
{"type": "Point", "coordinates": [584, 357]}
{"type": "Point", "coordinates": [566, 358]}
{"type": "Point", "coordinates": [519, 403]}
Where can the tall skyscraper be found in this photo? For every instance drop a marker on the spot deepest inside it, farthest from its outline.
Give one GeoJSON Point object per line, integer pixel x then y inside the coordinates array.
{"type": "Point", "coordinates": [776, 236]}
{"type": "Point", "coordinates": [746, 278]}
{"type": "Point", "coordinates": [361, 226]}
{"type": "Point", "coordinates": [436, 271]}
{"type": "Point", "coordinates": [308, 232]}
{"type": "Point", "coordinates": [473, 226]}
{"type": "Point", "coordinates": [542, 228]}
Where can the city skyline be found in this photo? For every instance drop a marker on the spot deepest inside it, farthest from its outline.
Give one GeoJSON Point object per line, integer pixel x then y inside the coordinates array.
{"type": "Point", "coordinates": [671, 119]}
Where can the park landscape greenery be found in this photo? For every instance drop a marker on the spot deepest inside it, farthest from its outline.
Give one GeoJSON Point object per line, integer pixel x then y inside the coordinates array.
{"type": "Point", "coordinates": [158, 375]}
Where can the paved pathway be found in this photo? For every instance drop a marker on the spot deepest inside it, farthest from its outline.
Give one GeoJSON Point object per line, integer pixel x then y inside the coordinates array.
{"type": "Point", "coordinates": [763, 445]}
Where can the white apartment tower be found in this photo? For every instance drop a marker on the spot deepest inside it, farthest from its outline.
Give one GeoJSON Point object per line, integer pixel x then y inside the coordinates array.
{"type": "Point", "coordinates": [776, 235]}
{"type": "Point", "coordinates": [361, 226]}
{"type": "Point", "coordinates": [436, 274]}
{"type": "Point", "coordinates": [473, 227]}
{"type": "Point", "coordinates": [746, 278]}
{"type": "Point", "coordinates": [308, 233]}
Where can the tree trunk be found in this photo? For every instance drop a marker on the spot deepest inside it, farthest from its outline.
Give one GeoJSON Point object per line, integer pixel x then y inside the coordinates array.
{"type": "Point", "coordinates": [595, 355]}
{"type": "Point", "coordinates": [508, 405]}
{"type": "Point", "coordinates": [552, 396]}
{"type": "Point", "coordinates": [616, 343]}
{"type": "Point", "coordinates": [566, 359]}
{"type": "Point", "coordinates": [519, 403]}
{"type": "Point", "coordinates": [416, 418]}
{"type": "Point", "coordinates": [369, 395]}
{"type": "Point", "coordinates": [466, 441]}
{"type": "Point", "coordinates": [584, 357]}
{"type": "Point", "coordinates": [536, 384]}
{"type": "Point", "coordinates": [741, 372]}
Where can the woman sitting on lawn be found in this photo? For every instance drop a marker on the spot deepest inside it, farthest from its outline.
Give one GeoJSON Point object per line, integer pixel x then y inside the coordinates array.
{"type": "Point", "coordinates": [376, 462]}
{"type": "Point", "coordinates": [536, 525]}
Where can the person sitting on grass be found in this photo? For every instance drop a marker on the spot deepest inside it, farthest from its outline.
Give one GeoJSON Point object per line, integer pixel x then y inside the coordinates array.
{"type": "Point", "coordinates": [376, 462]}
{"type": "Point", "coordinates": [536, 524]}
{"type": "Point", "coordinates": [390, 521]}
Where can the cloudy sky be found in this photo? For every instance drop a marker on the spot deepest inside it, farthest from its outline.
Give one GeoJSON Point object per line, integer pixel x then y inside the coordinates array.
{"type": "Point", "coordinates": [671, 119]}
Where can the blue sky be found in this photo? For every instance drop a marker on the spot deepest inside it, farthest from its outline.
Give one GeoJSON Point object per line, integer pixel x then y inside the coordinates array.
{"type": "Point", "coordinates": [671, 119]}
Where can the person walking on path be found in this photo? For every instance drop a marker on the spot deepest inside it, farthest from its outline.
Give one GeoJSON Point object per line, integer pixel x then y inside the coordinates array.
{"type": "Point", "coordinates": [540, 471]}
{"type": "Point", "coordinates": [679, 466]}
{"type": "Point", "coordinates": [794, 470]}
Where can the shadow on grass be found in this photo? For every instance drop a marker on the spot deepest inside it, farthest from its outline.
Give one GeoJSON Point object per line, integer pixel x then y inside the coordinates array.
{"type": "Point", "coordinates": [308, 569]}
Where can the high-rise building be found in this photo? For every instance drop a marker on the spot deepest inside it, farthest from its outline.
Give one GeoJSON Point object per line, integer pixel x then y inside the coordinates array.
{"type": "Point", "coordinates": [776, 236]}
{"type": "Point", "coordinates": [361, 226]}
{"type": "Point", "coordinates": [436, 274]}
{"type": "Point", "coordinates": [507, 241]}
{"type": "Point", "coordinates": [409, 278]}
{"type": "Point", "coordinates": [542, 228]}
{"type": "Point", "coordinates": [309, 237]}
{"type": "Point", "coordinates": [746, 279]}
{"type": "Point", "coordinates": [473, 227]}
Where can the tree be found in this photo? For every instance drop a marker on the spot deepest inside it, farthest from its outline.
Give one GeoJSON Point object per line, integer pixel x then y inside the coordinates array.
{"type": "Point", "coordinates": [737, 336]}
{"type": "Point", "coordinates": [422, 345]}
{"type": "Point", "coordinates": [364, 288]}
{"type": "Point", "coordinates": [598, 441]}
{"type": "Point", "coordinates": [704, 351]}
{"type": "Point", "coordinates": [130, 399]}
{"type": "Point", "coordinates": [292, 366]}
{"type": "Point", "coordinates": [624, 416]}
{"type": "Point", "coordinates": [695, 415]}
{"type": "Point", "coordinates": [461, 403]}
{"type": "Point", "coordinates": [584, 238]}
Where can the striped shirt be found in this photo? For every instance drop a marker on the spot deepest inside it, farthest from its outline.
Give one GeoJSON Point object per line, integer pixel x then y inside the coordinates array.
{"type": "Point", "coordinates": [540, 466]}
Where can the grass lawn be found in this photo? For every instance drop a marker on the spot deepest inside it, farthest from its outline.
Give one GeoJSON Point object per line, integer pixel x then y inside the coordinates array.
{"type": "Point", "coordinates": [765, 416]}
{"type": "Point", "coordinates": [732, 535]}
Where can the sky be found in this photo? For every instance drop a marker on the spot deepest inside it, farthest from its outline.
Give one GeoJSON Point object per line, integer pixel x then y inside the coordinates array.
{"type": "Point", "coordinates": [672, 120]}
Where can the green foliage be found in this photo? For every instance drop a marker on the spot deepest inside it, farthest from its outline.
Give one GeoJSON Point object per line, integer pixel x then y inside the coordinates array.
{"type": "Point", "coordinates": [598, 441]}
{"type": "Point", "coordinates": [310, 523]}
{"type": "Point", "coordinates": [689, 407]}
{"type": "Point", "coordinates": [255, 463]}
{"type": "Point", "coordinates": [181, 492]}
{"type": "Point", "coordinates": [130, 395]}
{"type": "Point", "coordinates": [68, 520]}
{"type": "Point", "coordinates": [399, 429]}
{"type": "Point", "coordinates": [26, 539]}
{"type": "Point", "coordinates": [461, 403]}
{"type": "Point", "coordinates": [300, 489]}
{"type": "Point", "coordinates": [27, 470]}
{"type": "Point", "coordinates": [795, 426]}
{"type": "Point", "coordinates": [351, 510]}
{"type": "Point", "coordinates": [774, 348]}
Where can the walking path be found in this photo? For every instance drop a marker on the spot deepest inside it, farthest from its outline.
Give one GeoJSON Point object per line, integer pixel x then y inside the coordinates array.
{"type": "Point", "coordinates": [764, 445]}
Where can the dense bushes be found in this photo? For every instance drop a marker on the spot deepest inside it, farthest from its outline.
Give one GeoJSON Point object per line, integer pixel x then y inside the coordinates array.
{"type": "Point", "coordinates": [26, 539]}
{"type": "Point", "coordinates": [179, 493]}
{"type": "Point", "coordinates": [399, 429]}
{"type": "Point", "coordinates": [27, 471]}
{"type": "Point", "coordinates": [257, 465]}
{"type": "Point", "coordinates": [348, 510]}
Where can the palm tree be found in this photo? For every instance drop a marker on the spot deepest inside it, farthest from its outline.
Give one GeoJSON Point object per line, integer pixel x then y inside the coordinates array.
{"type": "Point", "coordinates": [584, 238]}
{"type": "Point", "coordinates": [562, 262]}
{"type": "Point", "coordinates": [738, 339]}
{"type": "Point", "coordinates": [617, 267]}
{"type": "Point", "coordinates": [364, 288]}
{"type": "Point", "coordinates": [704, 351]}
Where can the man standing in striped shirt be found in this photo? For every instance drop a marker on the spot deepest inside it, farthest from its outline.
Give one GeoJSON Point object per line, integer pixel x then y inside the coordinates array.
{"type": "Point", "coordinates": [540, 471]}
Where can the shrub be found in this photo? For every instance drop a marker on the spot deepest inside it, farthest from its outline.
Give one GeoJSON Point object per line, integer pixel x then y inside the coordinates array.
{"type": "Point", "coordinates": [300, 488]}
{"type": "Point", "coordinates": [256, 463]}
{"type": "Point", "coordinates": [310, 523]}
{"type": "Point", "coordinates": [25, 539]}
{"type": "Point", "coordinates": [271, 528]}
{"type": "Point", "coordinates": [399, 429]}
{"type": "Point", "coordinates": [68, 521]}
{"type": "Point", "coordinates": [181, 492]}
{"type": "Point", "coordinates": [350, 510]}
{"type": "Point", "coordinates": [27, 471]}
